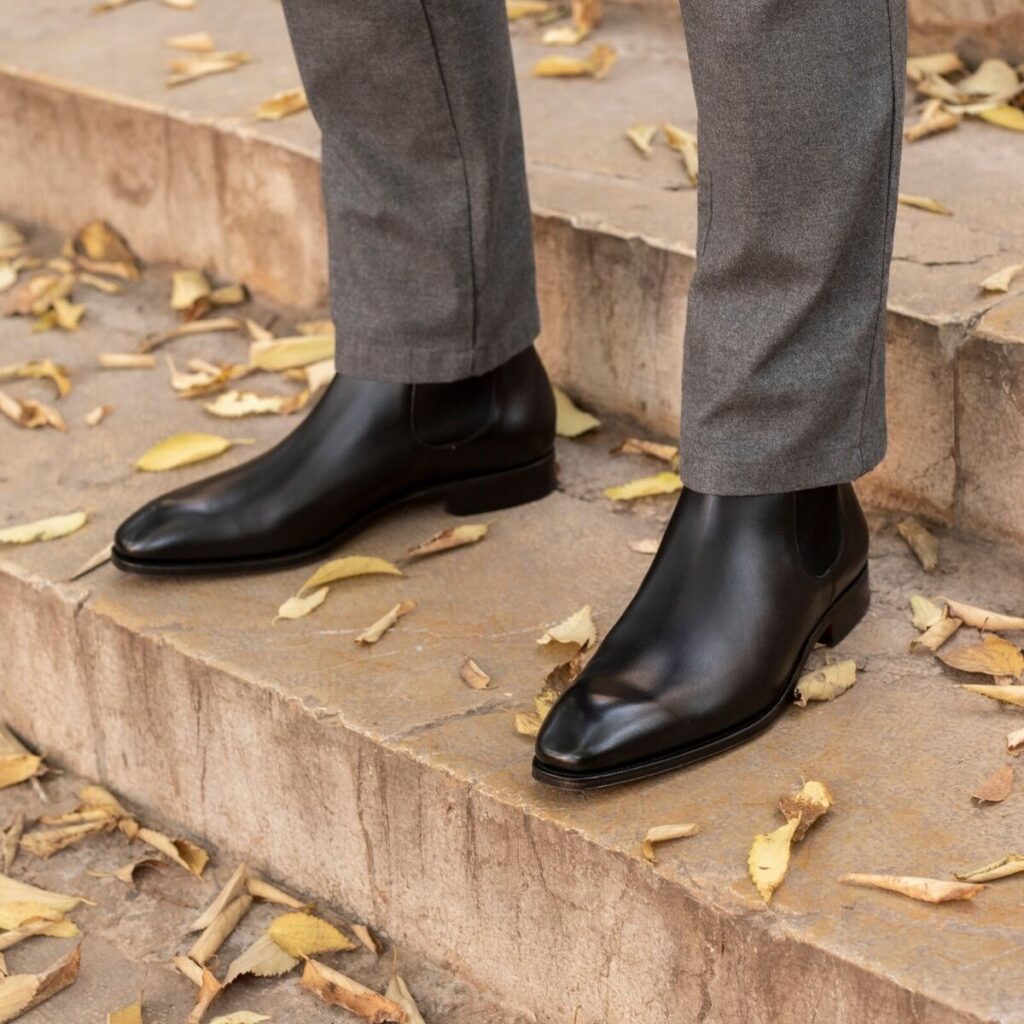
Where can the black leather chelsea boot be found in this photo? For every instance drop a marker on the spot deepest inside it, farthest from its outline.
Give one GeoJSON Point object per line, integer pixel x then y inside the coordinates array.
{"type": "Point", "coordinates": [478, 444]}
{"type": "Point", "coordinates": [709, 651]}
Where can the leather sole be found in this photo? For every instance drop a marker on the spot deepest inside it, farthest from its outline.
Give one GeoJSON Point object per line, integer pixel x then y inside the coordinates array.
{"type": "Point", "coordinates": [468, 497]}
{"type": "Point", "coordinates": [843, 614]}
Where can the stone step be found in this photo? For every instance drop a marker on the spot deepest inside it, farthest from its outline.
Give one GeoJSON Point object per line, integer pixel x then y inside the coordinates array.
{"type": "Point", "coordinates": [375, 780]}
{"type": "Point", "coordinates": [130, 936]}
{"type": "Point", "coordinates": [190, 177]}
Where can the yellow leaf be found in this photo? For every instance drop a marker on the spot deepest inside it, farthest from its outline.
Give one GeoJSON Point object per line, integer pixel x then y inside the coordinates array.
{"type": "Point", "coordinates": [182, 450]}
{"type": "Point", "coordinates": [281, 104]}
{"type": "Point", "coordinates": [928, 890]}
{"type": "Point", "coordinates": [1004, 117]}
{"type": "Point", "coordinates": [195, 42]}
{"type": "Point", "coordinates": [13, 891]}
{"type": "Point", "coordinates": [303, 935]}
{"type": "Point", "coordinates": [596, 64]}
{"type": "Point", "coordinates": [37, 369]}
{"type": "Point", "coordinates": [768, 859]}
{"type": "Point", "coordinates": [945, 63]}
{"type": "Point", "coordinates": [345, 568]}
{"type": "Point", "coordinates": [528, 723]}
{"type": "Point", "coordinates": [570, 420]}
{"type": "Point", "coordinates": [994, 656]}
{"type": "Point", "coordinates": [565, 35]}
{"type": "Point", "coordinates": [579, 629]}
{"type": "Point", "coordinates": [642, 135]}
{"type": "Point", "coordinates": [685, 144]}
{"type": "Point", "coordinates": [935, 117]}
{"type": "Point", "coordinates": [1001, 280]}
{"type": "Point", "coordinates": [982, 618]}
{"type": "Point", "coordinates": [925, 203]}
{"type": "Point", "coordinates": [103, 250]}
{"type": "Point", "coordinates": [806, 806]}
{"type": "Point", "coordinates": [199, 65]}
{"type": "Point", "coordinates": [185, 854]}
{"type": "Point", "coordinates": [127, 1014]}
{"type": "Point", "coordinates": [1011, 864]}
{"type": "Point", "coordinates": [453, 537]}
{"type": "Point", "coordinates": [20, 992]}
{"type": "Point", "coordinates": [233, 888]}
{"type": "Point", "coordinates": [647, 546]}
{"type": "Point", "coordinates": [924, 613]}
{"type": "Point", "coordinates": [997, 787]}
{"type": "Point", "coordinates": [645, 487]}
{"type": "Point", "coordinates": [188, 287]}
{"type": "Point", "coordinates": [656, 450]}
{"type": "Point", "coordinates": [299, 607]}
{"type": "Point", "coordinates": [373, 633]}
{"type": "Point", "coordinates": [236, 404]}
{"type": "Point", "coordinates": [264, 958]}
{"type": "Point", "coordinates": [473, 675]}
{"type": "Point", "coordinates": [923, 543]}
{"type": "Point", "coordinates": [935, 636]}
{"type": "Point", "coordinates": [516, 9]}
{"type": "Point", "coordinates": [1007, 694]}
{"type": "Point", "coordinates": [993, 78]}
{"type": "Point", "coordinates": [286, 353]}
{"type": "Point", "coordinates": [30, 414]}
{"type": "Point", "coordinates": [209, 325]}
{"type": "Point", "coordinates": [398, 992]}
{"type": "Point", "coordinates": [240, 1017]}
{"type": "Point", "coordinates": [825, 683]}
{"type": "Point", "coordinates": [663, 834]}
{"type": "Point", "coordinates": [44, 529]}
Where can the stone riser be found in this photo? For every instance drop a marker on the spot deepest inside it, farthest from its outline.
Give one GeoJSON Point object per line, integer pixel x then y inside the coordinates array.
{"type": "Point", "coordinates": [444, 866]}
{"type": "Point", "coordinates": [613, 308]}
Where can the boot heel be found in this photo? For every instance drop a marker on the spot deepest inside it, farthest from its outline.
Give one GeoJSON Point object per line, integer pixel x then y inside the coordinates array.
{"type": "Point", "coordinates": [503, 490]}
{"type": "Point", "coordinates": [848, 610]}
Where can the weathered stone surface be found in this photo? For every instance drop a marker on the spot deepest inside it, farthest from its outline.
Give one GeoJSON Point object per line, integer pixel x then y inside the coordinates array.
{"type": "Point", "coordinates": [374, 779]}
{"type": "Point", "coordinates": [131, 934]}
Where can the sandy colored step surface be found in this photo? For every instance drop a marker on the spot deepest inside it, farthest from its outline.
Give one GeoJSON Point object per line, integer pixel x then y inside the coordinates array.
{"type": "Point", "coordinates": [375, 780]}
{"type": "Point", "coordinates": [131, 934]}
{"type": "Point", "coordinates": [191, 177]}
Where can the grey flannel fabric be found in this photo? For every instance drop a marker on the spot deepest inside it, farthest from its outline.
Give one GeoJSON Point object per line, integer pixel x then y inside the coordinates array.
{"type": "Point", "coordinates": [800, 105]}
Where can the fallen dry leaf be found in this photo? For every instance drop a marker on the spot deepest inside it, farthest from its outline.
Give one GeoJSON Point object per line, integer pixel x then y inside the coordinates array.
{"type": "Point", "coordinates": [131, 1014]}
{"type": "Point", "coordinates": [664, 834]}
{"type": "Point", "coordinates": [993, 78]}
{"type": "Point", "coordinates": [303, 935]}
{"type": "Point", "coordinates": [945, 63]}
{"type": "Point", "coordinates": [183, 853]}
{"type": "Point", "coordinates": [261, 889]}
{"type": "Point", "coordinates": [935, 117]}
{"type": "Point", "coordinates": [570, 420]}
{"type": "Point", "coordinates": [199, 65]}
{"type": "Point", "coordinates": [300, 606]}
{"type": "Point", "coordinates": [473, 675]}
{"type": "Point", "coordinates": [398, 992]}
{"type": "Point", "coordinates": [52, 528]}
{"type": "Point", "coordinates": [806, 806]}
{"type": "Point", "coordinates": [925, 613]}
{"type": "Point", "coordinates": [99, 248]}
{"type": "Point", "coordinates": [1011, 864]}
{"type": "Point", "coordinates": [939, 88]}
{"type": "Point", "coordinates": [935, 636]}
{"type": "Point", "coordinates": [1015, 741]}
{"type": "Point", "coordinates": [982, 618]}
{"type": "Point", "coordinates": [126, 360]}
{"type": "Point", "coordinates": [685, 144]}
{"type": "Point", "coordinates": [648, 546]}
{"type": "Point", "coordinates": [17, 762]}
{"type": "Point", "coordinates": [193, 42]}
{"type": "Point", "coordinates": [281, 104]}
{"type": "Point", "coordinates": [645, 487]}
{"type": "Point", "coordinates": [45, 843]}
{"type": "Point", "coordinates": [993, 656]}
{"type": "Point", "coordinates": [928, 890]}
{"type": "Point", "coordinates": [11, 838]}
{"type": "Point", "coordinates": [768, 859]}
{"type": "Point", "coordinates": [373, 633]}
{"type": "Point", "coordinates": [264, 958]}
{"type": "Point", "coordinates": [336, 989]}
{"type": "Point", "coordinates": [10, 236]}
{"type": "Point", "coordinates": [237, 404]}
{"type": "Point", "coordinates": [641, 135]}
{"type": "Point", "coordinates": [126, 873]}
{"type": "Point", "coordinates": [188, 287]}
{"type": "Point", "coordinates": [30, 414]}
{"type": "Point", "coordinates": [40, 369]}
{"type": "Point", "coordinates": [241, 1017]}
{"type": "Point", "coordinates": [216, 933]}
{"type": "Point", "coordinates": [564, 35]}
{"type": "Point", "coordinates": [22, 894]}
{"type": "Point", "coordinates": [1004, 116]}
{"type": "Point", "coordinates": [825, 683]}
{"type": "Point", "coordinates": [1001, 280]}
{"type": "Point", "coordinates": [516, 9]}
{"type": "Point", "coordinates": [96, 416]}
{"type": "Point", "coordinates": [997, 787]}
{"type": "Point", "coordinates": [595, 65]}
{"type": "Point", "coordinates": [209, 987]}
{"type": "Point", "coordinates": [924, 544]}
{"type": "Point", "coordinates": [21, 992]}
{"type": "Point", "coordinates": [183, 450]}
{"type": "Point", "coordinates": [638, 446]}
{"type": "Point", "coordinates": [926, 204]}
{"type": "Point", "coordinates": [453, 537]}
{"type": "Point", "coordinates": [212, 325]}
{"type": "Point", "coordinates": [288, 353]}
{"type": "Point", "coordinates": [347, 567]}
{"type": "Point", "coordinates": [1006, 694]}
{"type": "Point", "coordinates": [41, 925]}
{"type": "Point", "coordinates": [579, 629]}
{"type": "Point", "coordinates": [365, 936]}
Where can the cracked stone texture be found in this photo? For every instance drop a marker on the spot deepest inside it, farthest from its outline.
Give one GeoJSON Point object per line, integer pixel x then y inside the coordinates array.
{"type": "Point", "coordinates": [190, 177]}
{"type": "Point", "coordinates": [374, 779]}
{"type": "Point", "coordinates": [131, 934]}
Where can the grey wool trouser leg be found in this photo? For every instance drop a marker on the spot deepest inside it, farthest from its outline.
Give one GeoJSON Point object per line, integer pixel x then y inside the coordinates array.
{"type": "Point", "coordinates": [800, 105]}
